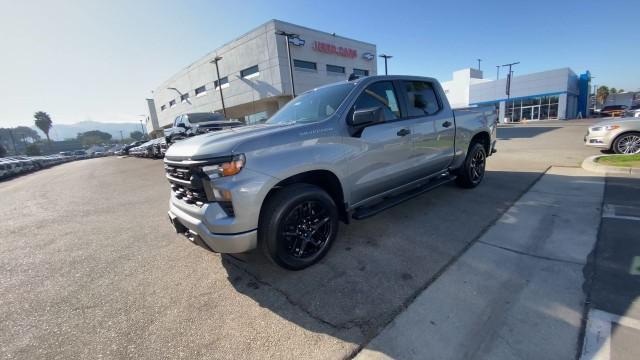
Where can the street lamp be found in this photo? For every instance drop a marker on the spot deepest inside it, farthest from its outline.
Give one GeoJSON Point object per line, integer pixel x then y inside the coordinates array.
{"type": "Point", "coordinates": [479, 61]}
{"type": "Point", "coordinates": [508, 87]}
{"type": "Point", "coordinates": [509, 75]}
{"type": "Point", "coordinates": [385, 56]}
{"type": "Point", "coordinates": [287, 37]}
{"type": "Point", "coordinates": [215, 62]}
{"type": "Point", "coordinates": [141, 126]}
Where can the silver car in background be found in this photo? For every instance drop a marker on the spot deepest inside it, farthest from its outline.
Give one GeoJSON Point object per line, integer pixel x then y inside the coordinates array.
{"type": "Point", "coordinates": [620, 135]}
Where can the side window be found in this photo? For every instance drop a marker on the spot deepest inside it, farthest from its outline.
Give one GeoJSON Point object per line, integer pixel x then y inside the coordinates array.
{"type": "Point", "coordinates": [177, 121]}
{"type": "Point", "coordinates": [379, 94]}
{"type": "Point", "coordinates": [421, 98]}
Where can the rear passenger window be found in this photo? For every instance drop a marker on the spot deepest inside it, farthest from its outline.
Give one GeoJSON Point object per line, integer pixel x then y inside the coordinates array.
{"type": "Point", "coordinates": [421, 98]}
{"type": "Point", "coordinates": [379, 94]}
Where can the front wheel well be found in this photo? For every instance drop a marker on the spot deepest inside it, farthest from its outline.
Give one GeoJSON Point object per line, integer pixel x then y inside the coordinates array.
{"type": "Point", "coordinates": [323, 179]}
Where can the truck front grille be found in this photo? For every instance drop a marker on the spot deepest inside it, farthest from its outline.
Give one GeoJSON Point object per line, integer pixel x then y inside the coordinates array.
{"type": "Point", "coordinates": [190, 196]}
{"type": "Point", "coordinates": [186, 183]}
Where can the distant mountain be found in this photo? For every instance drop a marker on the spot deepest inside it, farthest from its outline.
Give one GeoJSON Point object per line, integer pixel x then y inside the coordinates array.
{"type": "Point", "coordinates": [70, 131]}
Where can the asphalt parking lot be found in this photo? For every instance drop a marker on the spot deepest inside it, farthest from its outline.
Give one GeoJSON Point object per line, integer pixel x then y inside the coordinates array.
{"type": "Point", "coordinates": [90, 266]}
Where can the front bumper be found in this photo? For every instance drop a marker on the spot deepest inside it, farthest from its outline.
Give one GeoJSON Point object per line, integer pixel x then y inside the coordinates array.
{"type": "Point", "coordinates": [599, 139]}
{"type": "Point", "coordinates": [222, 243]}
{"type": "Point", "coordinates": [220, 230]}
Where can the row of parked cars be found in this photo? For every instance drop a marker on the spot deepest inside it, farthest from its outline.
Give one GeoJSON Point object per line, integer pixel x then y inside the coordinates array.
{"type": "Point", "coordinates": [16, 165]}
{"type": "Point", "coordinates": [154, 149]}
{"type": "Point", "coordinates": [184, 126]}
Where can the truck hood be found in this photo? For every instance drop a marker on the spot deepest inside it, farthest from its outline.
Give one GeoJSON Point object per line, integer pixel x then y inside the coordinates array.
{"type": "Point", "coordinates": [220, 143]}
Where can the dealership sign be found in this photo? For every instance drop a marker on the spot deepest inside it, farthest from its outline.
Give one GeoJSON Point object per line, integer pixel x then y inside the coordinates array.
{"type": "Point", "coordinates": [335, 50]}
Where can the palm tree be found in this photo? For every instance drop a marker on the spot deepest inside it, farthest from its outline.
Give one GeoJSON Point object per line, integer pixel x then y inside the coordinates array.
{"type": "Point", "coordinates": [602, 93]}
{"type": "Point", "coordinates": [44, 123]}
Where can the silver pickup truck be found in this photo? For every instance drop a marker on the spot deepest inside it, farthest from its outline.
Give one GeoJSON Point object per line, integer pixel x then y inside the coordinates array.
{"type": "Point", "coordinates": [341, 151]}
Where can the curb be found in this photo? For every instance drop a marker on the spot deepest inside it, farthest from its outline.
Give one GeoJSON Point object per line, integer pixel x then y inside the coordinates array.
{"type": "Point", "coordinates": [591, 164]}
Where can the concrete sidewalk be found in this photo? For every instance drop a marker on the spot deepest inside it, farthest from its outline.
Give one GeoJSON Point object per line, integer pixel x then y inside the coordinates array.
{"type": "Point", "coordinates": [517, 292]}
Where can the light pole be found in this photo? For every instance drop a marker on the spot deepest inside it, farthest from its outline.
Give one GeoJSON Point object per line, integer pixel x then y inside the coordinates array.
{"type": "Point", "coordinates": [479, 61]}
{"type": "Point", "coordinates": [497, 72]}
{"type": "Point", "coordinates": [508, 86]}
{"type": "Point", "coordinates": [141, 126]}
{"type": "Point", "coordinates": [509, 76]}
{"type": "Point", "coordinates": [287, 37]}
{"type": "Point", "coordinates": [215, 62]}
{"type": "Point", "coordinates": [385, 57]}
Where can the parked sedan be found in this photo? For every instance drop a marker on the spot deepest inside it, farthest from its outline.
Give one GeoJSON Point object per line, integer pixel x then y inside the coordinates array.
{"type": "Point", "coordinates": [622, 136]}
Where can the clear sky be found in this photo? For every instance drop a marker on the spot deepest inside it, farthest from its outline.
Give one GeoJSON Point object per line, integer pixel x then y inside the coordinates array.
{"type": "Point", "coordinates": [98, 59]}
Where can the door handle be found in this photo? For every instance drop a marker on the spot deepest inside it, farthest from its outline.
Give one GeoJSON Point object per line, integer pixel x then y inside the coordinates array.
{"type": "Point", "coordinates": [446, 124]}
{"type": "Point", "coordinates": [403, 132]}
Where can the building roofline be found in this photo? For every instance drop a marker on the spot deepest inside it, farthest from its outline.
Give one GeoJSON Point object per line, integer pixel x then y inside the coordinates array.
{"type": "Point", "coordinates": [272, 21]}
{"type": "Point", "coordinates": [320, 31]}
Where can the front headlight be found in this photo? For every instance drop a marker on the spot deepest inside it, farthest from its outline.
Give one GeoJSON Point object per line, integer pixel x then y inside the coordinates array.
{"type": "Point", "coordinates": [229, 168]}
{"type": "Point", "coordinates": [611, 127]}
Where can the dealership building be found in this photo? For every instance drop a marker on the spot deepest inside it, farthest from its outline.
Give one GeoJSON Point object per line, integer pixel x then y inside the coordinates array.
{"type": "Point", "coordinates": [254, 73]}
{"type": "Point", "coordinates": [552, 94]}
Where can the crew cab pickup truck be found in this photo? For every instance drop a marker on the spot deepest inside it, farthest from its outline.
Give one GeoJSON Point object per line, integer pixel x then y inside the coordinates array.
{"type": "Point", "coordinates": [343, 151]}
{"type": "Point", "coordinates": [187, 125]}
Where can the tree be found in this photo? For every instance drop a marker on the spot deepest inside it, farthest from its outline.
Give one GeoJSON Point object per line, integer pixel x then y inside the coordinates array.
{"type": "Point", "coordinates": [613, 90]}
{"type": "Point", "coordinates": [136, 135]}
{"type": "Point", "coordinates": [23, 132]}
{"type": "Point", "coordinates": [620, 91]}
{"type": "Point", "coordinates": [3, 151]}
{"type": "Point", "coordinates": [93, 137]}
{"type": "Point", "coordinates": [43, 122]}
{"type": "Point", "coordinates": [33, 150]}
{"type": "Point", "coordinates": [602, 93]}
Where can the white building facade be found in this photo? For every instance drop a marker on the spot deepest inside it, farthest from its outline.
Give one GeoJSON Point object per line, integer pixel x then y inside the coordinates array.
{"type": "Point", "coordinates": [544, 95]}
{"type": "Point", "coordinates": [255, 76]}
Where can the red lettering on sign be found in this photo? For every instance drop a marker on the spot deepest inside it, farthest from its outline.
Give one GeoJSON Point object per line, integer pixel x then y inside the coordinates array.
{"type": "Point", "coordinates": [334, 50]}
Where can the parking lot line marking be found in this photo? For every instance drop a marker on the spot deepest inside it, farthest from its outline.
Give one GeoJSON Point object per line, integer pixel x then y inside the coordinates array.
{"type": "Point", "coordinates": [597, 338]}
{"type": "Point", "coordinates": [610, 211]}
{"type": "Point", "coordinates": [635, 266]}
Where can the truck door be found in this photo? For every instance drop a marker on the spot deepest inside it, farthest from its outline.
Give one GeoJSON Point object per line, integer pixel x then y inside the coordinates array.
{"type": "Point", "coordinates": [433, 129]}
{"type": "Point", "coordinates": [382, 160]}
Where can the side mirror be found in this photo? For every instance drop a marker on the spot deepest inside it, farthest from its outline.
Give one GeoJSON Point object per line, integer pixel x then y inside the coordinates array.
{"type": "Point", "coordinates": [365, 117]}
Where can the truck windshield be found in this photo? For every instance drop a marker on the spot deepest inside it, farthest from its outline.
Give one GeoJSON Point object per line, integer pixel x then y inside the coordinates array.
{"type": "Point", "coordinates": [313, 106]}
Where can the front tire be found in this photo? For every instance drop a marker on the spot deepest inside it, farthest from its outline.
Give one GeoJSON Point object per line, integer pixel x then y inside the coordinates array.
{"type": "Point", "coordinates": [628, 143]}
{"type": "Point", "coordinates": [472, 171]}
{"type": "Point", "coordinates": [298, 225]}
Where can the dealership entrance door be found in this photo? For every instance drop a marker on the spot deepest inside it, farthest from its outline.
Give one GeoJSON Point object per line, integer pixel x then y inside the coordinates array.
{"type": "Point", "coordinates": [530, 112]}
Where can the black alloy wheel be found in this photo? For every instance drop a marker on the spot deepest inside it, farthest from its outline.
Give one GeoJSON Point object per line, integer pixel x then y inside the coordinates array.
{"type": "Point", "coordinates": [297, 226]}
{"type": "Point", "coordinates": [306, 229]}
{"type": "Point", "coordinates": [472, 171]}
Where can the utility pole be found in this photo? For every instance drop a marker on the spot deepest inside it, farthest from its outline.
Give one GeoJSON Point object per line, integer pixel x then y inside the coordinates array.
{"type": "Point", "coordinates": [479, 61]}
{"type": "Point", "coordinates": [215, 62]}
{"type": "Point", "coordinates": [121, 137]}
{"type": "Point", "coordinates": [288, 36]}
{"type": "Point", "coordinates": [386, 57]}
{"type": "Point", "coordinates": [497, 72]}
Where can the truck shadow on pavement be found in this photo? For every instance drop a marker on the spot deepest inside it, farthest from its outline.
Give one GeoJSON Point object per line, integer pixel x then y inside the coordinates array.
{"type": "Point", "coordinates": [508, 133]}
{"type": "Point", "coordinates": [378, 266]}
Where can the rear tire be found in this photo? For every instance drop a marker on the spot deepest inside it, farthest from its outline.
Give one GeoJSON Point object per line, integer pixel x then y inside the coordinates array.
{"type": "Point", "coordinates": [298, 225]}
{"type": "Point", "coordinates": [472, 171]}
